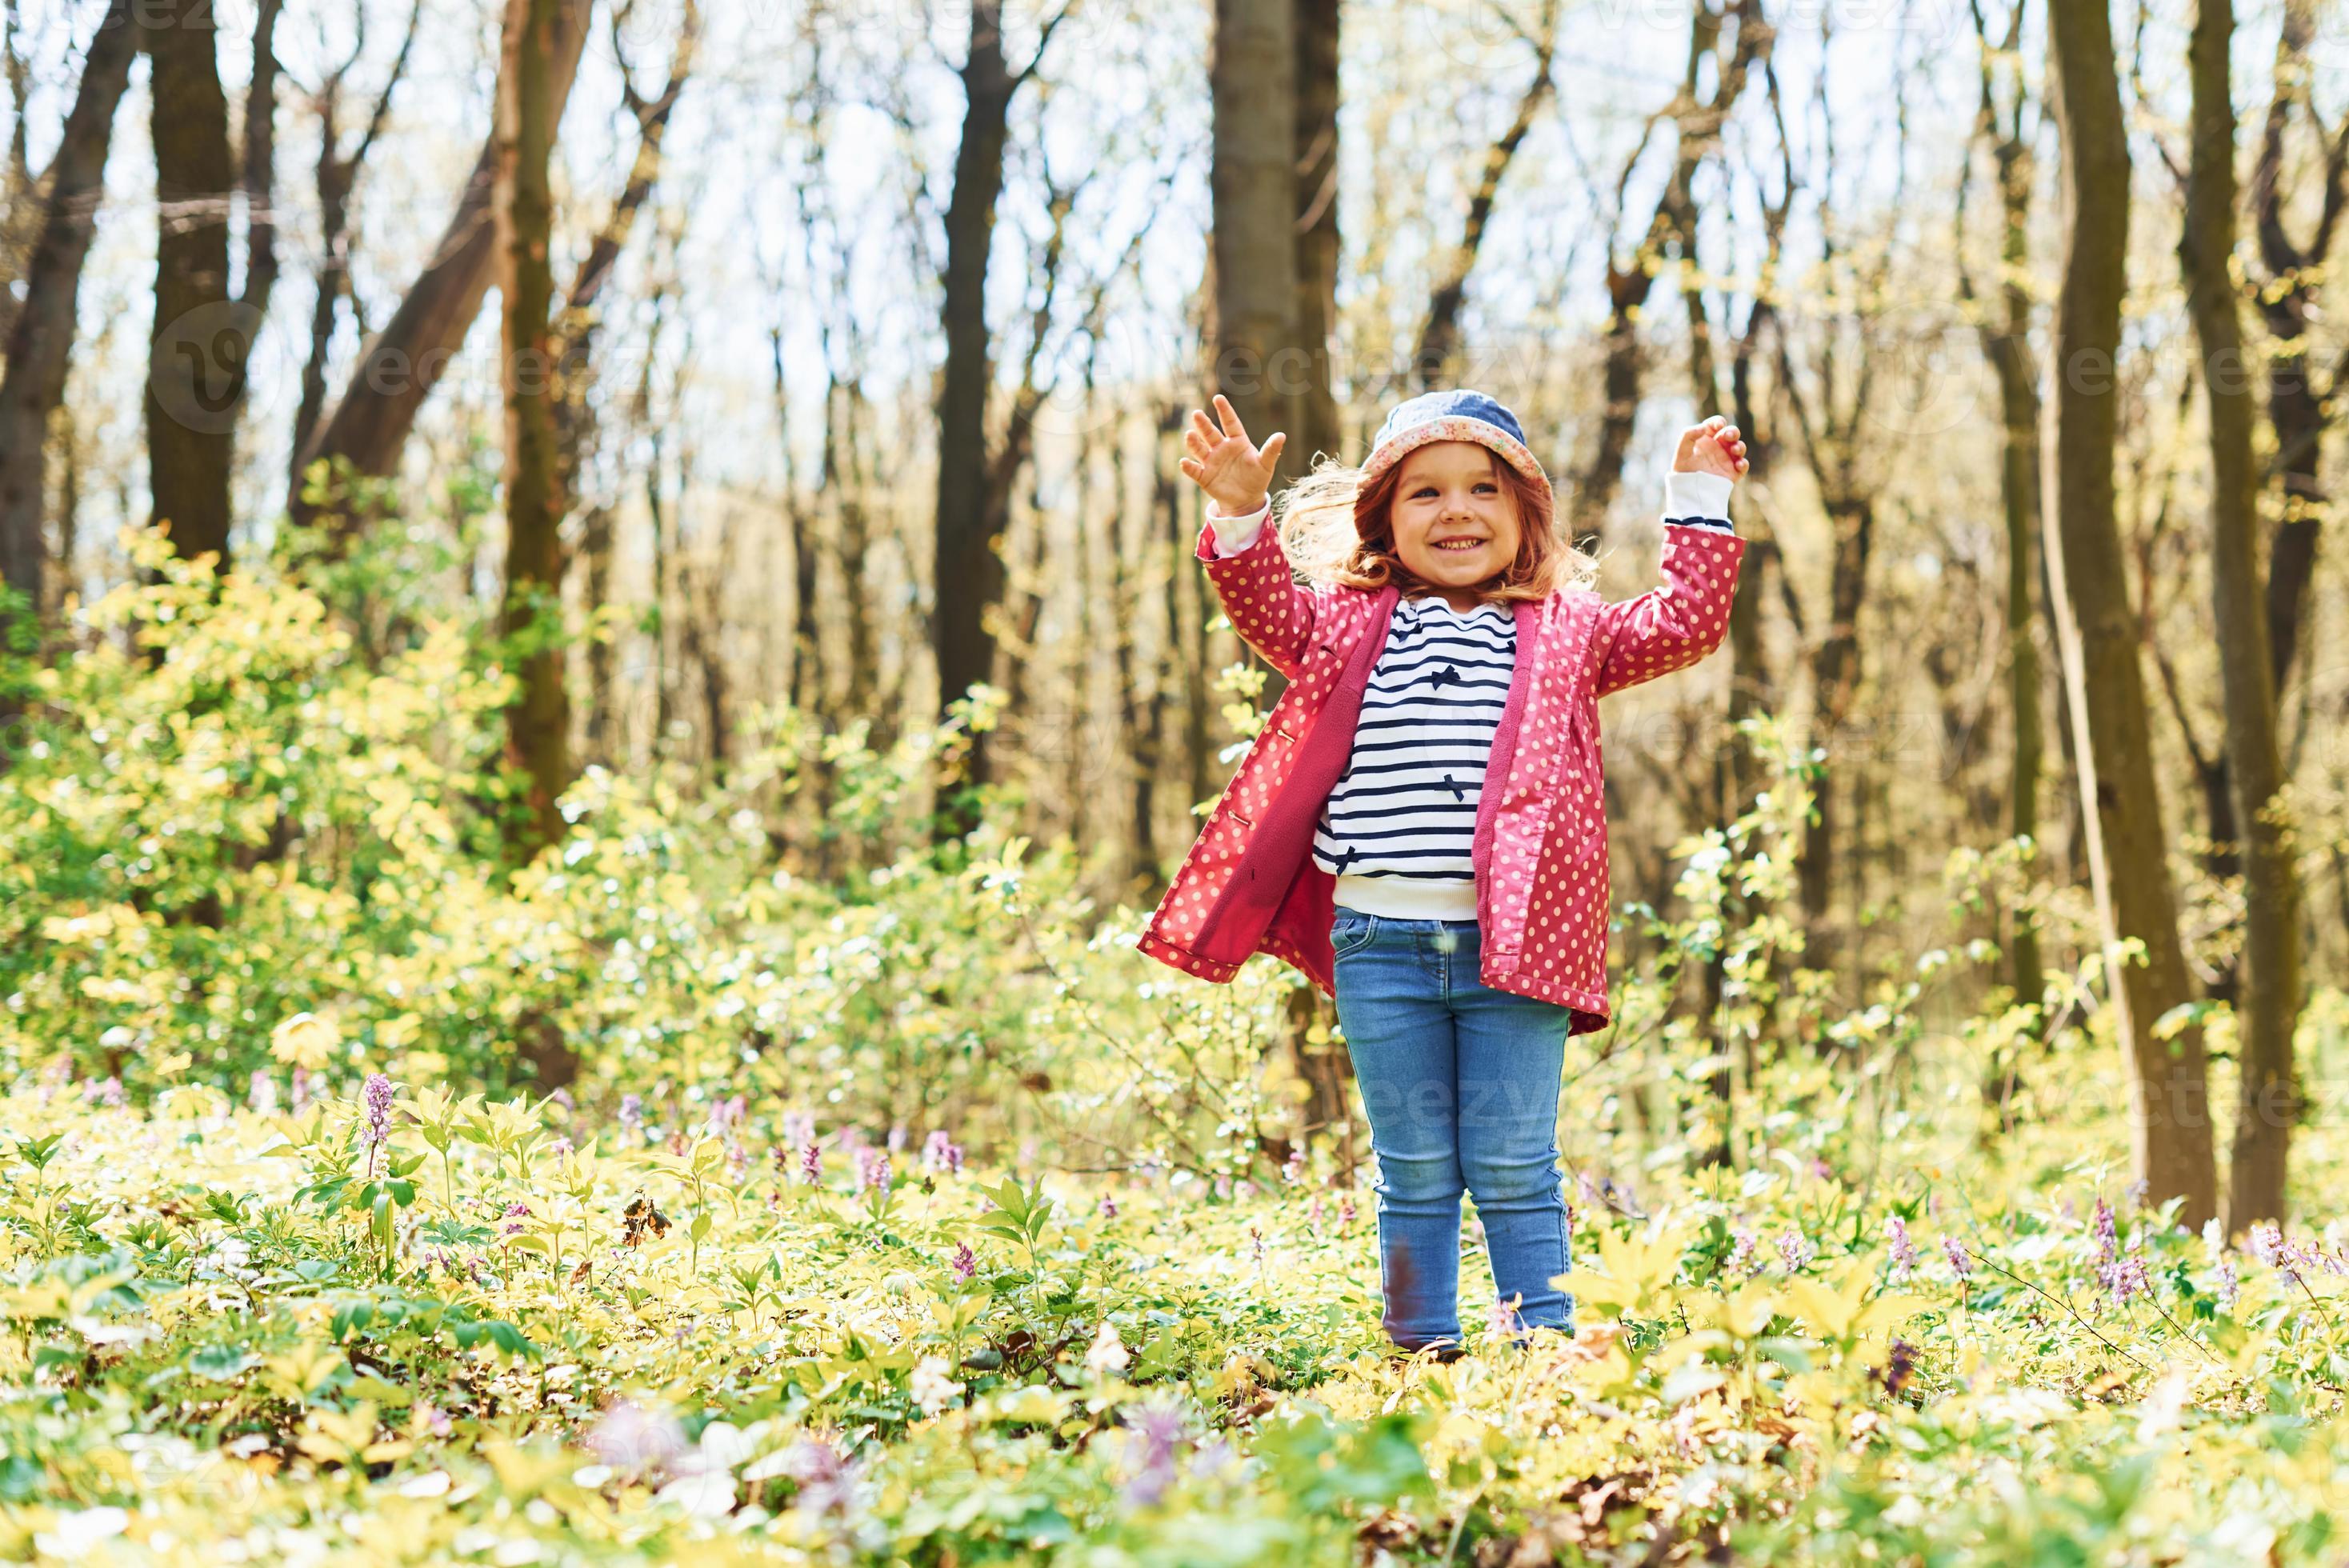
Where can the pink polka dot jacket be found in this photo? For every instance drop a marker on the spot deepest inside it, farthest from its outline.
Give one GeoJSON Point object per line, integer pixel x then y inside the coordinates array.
{"type": "Point", "coordinates": [1249, 884]}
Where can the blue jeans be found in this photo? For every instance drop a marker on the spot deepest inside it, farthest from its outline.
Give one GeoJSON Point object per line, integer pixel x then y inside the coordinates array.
{"type": "Point", "coordinates": [1460, 1082]}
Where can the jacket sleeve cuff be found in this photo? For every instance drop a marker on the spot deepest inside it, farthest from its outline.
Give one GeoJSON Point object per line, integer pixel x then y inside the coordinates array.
{"type": "Point", "coordinates": [1233, 535]}
{"type": "Point", "coordinates": [1697, 498]}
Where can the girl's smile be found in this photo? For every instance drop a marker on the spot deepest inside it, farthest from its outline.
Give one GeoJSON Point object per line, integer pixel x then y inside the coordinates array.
{"type": "Point", "coordinates": [1454, 521]}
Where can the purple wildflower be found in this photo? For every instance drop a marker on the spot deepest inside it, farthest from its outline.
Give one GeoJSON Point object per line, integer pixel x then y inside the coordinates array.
{"type": "Point", "coordinates": [376, 1098]}
{"type": "Point", "coordinates": [102, 1092]}
{"type": "Point", "coordinates": [1157, 1427]}
{"type": "Point", "coordinates": [2106, 1232]}
{"type": "Point", "coordinates": [1796, 1251]}
{"type": "Point", "coordinates": [965, 1263]}
{"type": "Point", "coordinates": [432, 1418]}
{"type": "Point", "coordinates": [2266, 1242]}
{"type": "Point", "coordinates": [2126, 1277]}
{"type": "Point", "coordinates": [561, 1146]}
{"type": "Point", "coordinates": [516, 1211]}
{"type": "Point", "coordinates": [1502, 1316]}
{"type": "Point", "coordinates": [798, 1127]}
{"type": "Point", "coordinates": [1108, 1206]}
{"type": "Point", "coordinates": [1346, 1211]}
{"type": "Point", "coordinates": [826, 1480]}
{"type": "Point", "coordinates": [2231, 1284]}
{"type": "Point", "coordinates": [897, 1138]}
{"type": "Point", "coordinates": [261, 1094]}
{"type": "Point", "coordinates": [1904, 1251]}
{"type": "Point", "coordinates": [811, 1162]}
{"type": "Point", "coordinates": [1741, 1243]}
{"type": "Point", "coordinates": [2288, 1259]}
{"type": "Point", "coordinates": [1959, 1263]}
{"type": "Point", "coordinates": [632, 1121]}
{"type": "Point", "coordinates": [872, 1170]}
{"type": "Point", "coordinates": [1898, 1365]}
{"type": "Point", "coordinates": [1292, 1170]}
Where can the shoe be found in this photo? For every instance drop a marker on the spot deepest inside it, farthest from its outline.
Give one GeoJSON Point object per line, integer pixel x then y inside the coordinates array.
{"type": "Point", "coordinates": [1441, 1351]}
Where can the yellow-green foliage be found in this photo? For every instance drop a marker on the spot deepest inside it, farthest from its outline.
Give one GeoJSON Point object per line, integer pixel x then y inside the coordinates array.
{"type": "Point", "coordinates": [500, 1333]}
{"type": "Point", "coordinates": [251, 844]}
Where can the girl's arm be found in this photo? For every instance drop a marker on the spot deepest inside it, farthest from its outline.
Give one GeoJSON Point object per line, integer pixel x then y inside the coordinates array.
{"type": "Point", "coordinates": [1670, 627]}
{"type": "Point", "coordinates": [1273, 612]}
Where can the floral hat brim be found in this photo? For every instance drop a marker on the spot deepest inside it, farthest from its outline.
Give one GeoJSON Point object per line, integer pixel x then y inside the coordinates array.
{"type": "Point", "coordinates": [1457, 415]}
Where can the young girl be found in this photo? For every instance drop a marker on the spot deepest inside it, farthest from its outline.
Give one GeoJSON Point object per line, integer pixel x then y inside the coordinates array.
{"type": "Point", "coordinates": [1419, 827]}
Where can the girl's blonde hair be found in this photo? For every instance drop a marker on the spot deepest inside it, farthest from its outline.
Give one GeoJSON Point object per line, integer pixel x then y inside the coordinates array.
{"type": "Point", "coordinates": [1338, 531]}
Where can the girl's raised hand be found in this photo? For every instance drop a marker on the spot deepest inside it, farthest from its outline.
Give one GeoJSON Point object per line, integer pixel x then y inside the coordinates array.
{"type": "Point", "coordinates": [1712, 448]}
{"type": "Point", "coordinates": [1234, 471]}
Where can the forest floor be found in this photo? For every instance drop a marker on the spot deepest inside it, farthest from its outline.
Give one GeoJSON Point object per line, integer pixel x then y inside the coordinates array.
{"type": "Point", "coordinates": [500, 1336]}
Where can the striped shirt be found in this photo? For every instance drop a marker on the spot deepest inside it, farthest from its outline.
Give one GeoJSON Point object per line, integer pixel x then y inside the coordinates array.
{"type": "Point", "coordinates": [1403, 814]}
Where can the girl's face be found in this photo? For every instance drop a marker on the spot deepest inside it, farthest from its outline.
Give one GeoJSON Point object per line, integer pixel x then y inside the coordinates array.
{"type": "Point", "coordinates": [1456, 521]}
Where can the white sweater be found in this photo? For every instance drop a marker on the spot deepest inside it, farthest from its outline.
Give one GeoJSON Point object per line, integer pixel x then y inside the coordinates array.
{"type": "Point", "coordinates": [1400, 823]}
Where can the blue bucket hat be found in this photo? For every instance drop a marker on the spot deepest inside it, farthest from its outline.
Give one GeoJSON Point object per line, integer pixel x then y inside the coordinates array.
{"type": "Point", "coordinates": [1459, 415]}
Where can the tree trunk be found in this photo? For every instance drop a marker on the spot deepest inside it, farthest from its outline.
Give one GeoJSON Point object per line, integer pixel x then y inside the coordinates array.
{"type": "Point", "coordinates": [41, 336]}
{"type": "Point", "coordinates": [602, 729]}
{"type": "Point", "coordinates": [1835, 687]}
{"type": "Point", "coordinates": [1186, 635]}
{"type": "Point", "coordinates": [2298, 414]}
{"type": "Point", "coordinates": [2270, 967]}
{"type": "Point", "coordinates": [333, 282]}
{"type": "Point", "coordinates": [852, 554]}
{"type": "Point", "coordinates": [807, 649]}
{"type": "Point", "coordinates": [968, 574]}
{"type": "Point", "coordinates": [2169, 1089]}
{"type": "Point", "coordinates": [2007, 345]}
{"type": "Point", "coordinates": [1142, 713]}
{"type": "Point", "coordinates": [260, 178]}
{"type": "Point", "coordinates": [19, 219]}
{"type": "Point", "coordinates": [197, 348]}
{"type": "Point", "coordinates": [396, 371]}
{"type": "Point", "coordinates": [538, 724]}
{"type": "Point", "coordinates": [1316, 32]}
{"type": "Point", "coordinates": [1261, 361]}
